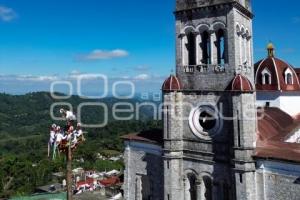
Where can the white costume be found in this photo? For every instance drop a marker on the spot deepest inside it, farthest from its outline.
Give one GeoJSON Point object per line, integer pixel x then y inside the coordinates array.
{"type": "Point", "coordinates": [77, 134]}
{"type": "Point", "coordinates": [60, 137]}
{"type": "Point", "coordinates": [51, 141]}
{"type": "Point", "coordinates": [70, 116]}
{"type": "Point", "coordinates": [52, 137]}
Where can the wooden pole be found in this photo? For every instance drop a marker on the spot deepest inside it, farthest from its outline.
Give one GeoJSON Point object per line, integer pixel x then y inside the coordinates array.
{"type": "Point", "coordinates": [69, 174]}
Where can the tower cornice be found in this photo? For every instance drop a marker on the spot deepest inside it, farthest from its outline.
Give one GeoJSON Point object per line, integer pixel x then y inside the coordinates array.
{"type": "Point", "coordinates": [242, 9]}
{"type": "Point", "coordinates": [198, 8]}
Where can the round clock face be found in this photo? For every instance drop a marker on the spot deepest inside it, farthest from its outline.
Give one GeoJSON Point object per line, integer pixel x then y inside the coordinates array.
{"type": "Point", "coordinates": [205, 121]}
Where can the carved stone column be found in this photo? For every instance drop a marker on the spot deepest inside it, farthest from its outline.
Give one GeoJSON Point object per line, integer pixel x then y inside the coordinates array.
{"type": "Point", "coordinates": [199, 51]}
{"type": "Point", "coordinates": [184, 53]}
{"type": "Point", "coordinates": [249, 50]}
{"type": "Point", "coordinates": [187, 195]}
{"type": "Point", "coordinates": [199, 190]}
{"type": "Point", "coordinates": [138, 188]}
{"type": "Point", "coordinates": [213, 48]}
{"type": "Point", "coordinates": [240, 48]}
{"type": "Point", "coordinates": [244, 50]}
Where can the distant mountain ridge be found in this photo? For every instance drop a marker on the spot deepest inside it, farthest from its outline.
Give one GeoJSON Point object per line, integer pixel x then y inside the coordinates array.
{"type": "Point", "coordinates": [23, 115]}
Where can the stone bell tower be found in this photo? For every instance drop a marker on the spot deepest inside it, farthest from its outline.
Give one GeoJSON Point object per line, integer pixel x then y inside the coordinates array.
{"type": "Point", "coordinates": [209, 115]}
{"type": "Point", "coordinates": [213, 38]}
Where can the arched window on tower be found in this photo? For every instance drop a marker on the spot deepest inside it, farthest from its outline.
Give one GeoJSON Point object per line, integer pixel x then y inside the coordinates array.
{"type": "Point", "coordinates": [207, 188]}
{"type": "Point", "coordinates": [191, 187]}
{"type": "Point", "coordinates": [288, 77]}
{"type": "Point", "coordinates": [206, 48]}
{"type": "Point", "coordinates": [266, 77]}
{"type": "Point", "coordinates": [221, 46]}
{"type": "Point", "coordinates": [191, 48]}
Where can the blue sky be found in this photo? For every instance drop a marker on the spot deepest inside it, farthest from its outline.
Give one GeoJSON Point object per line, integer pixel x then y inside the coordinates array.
{"type": "Point", "coordinates": [133, 39]}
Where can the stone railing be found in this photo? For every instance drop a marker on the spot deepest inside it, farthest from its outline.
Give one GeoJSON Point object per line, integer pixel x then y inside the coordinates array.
{"type": "Point", "coordinates": [244, 68]}
{"type": "Point", "coordinates": [205, 68]}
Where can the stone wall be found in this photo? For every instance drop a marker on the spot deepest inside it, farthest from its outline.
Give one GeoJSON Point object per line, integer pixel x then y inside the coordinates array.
{"type": "Point", "coordinates": [278, 180]}
{"type": "Point", "coordinates": [143, 160]}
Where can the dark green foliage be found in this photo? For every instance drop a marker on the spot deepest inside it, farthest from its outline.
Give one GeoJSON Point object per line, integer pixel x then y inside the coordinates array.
{"type": "Point", "coordinates": [19, 175]}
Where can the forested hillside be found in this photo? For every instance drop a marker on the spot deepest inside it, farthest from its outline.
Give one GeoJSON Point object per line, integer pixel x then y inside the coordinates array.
{"type": "Point", "coordinates": [24, 131]}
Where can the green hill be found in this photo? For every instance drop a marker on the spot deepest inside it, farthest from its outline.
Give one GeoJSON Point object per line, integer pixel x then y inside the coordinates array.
{"type": "Point", "coordinates": [24, 132]}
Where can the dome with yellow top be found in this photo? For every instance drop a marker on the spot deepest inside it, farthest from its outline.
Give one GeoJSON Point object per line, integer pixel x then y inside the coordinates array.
{"type": "Point", "coordinates": [270, 49]}
{"type": "Point", "coordinates": [274, 74]}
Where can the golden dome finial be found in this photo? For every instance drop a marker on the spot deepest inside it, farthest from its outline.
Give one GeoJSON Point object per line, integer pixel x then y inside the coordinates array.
{"type": "Point", "coordinates": [270, 49]}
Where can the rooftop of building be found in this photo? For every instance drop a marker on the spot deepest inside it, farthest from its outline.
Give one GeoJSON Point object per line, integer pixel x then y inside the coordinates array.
{"type": "Point", "coordinates": [274, 74]}
{"type": "Point", "coordinates": [152, 136]}
{"type": "Point", "coordinates": [274, 126]}
{"type": "Point", "coordinates": [57, 196]}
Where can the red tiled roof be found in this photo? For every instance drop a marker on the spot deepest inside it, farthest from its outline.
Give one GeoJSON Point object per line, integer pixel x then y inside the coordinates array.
{"type": "Point", "coordinates": [240, 83]}
{"type": "Point", "coordinates": [154, 136]}
{"type": "Point", "coordinates": [274, 123]}
{"type": "Point", "coordinates": [88, 181]}
{"type": "Point", "coordinates": [274, 126]}
{"type": "Point", "coordinates": [298, 72]}
{"type": "Point", "coordinates": [277, 68]}
{"type": "Point", "coordinates": [171, 84]}
{"type": "Point", "coordinates": [279, 150]}
{"type": "Point", "coordinates": [114, 180]}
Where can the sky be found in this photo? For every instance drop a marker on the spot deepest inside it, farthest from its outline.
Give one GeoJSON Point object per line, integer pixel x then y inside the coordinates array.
{"type": "Point", "coordinates": [42, 41]}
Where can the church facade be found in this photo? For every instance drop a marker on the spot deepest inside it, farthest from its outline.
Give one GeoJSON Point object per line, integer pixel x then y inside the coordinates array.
{"type": "Point", "coordinates": [231, 127]}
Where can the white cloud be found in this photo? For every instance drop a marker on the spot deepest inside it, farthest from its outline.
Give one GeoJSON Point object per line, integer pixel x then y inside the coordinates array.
{"type": "Point", "coordinates": [75, 72]}
{"type": "Point", "coordinates": [43, 78]}
{"type": "Point", "coordinates": [7, 14]}
{"type": "Point", "coordinates": [91, 76]}
{"type": "Point", "coordinates": [91, 83]}
{"type": "Point", "coordinates": [142, 68]}
{"type": "Point", "coordinates": [125, 77]}
{"type": "Point", "coordinates": [28, 78]}
{"type": "Point", "coordinates": [99, 54]}
{"type": "Point", "coordinates": [75, 75]}
{"type": "Point", "coordinates": [142, 77]}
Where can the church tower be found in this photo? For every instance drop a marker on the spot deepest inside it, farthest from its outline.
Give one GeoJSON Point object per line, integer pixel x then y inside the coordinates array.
{"type": "Point", "coordinates": [209, 106]}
